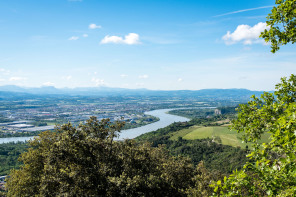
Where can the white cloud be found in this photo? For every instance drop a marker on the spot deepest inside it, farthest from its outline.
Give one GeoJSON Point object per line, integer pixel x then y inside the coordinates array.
{"type": "Point", "coordinates": [143, 76]}
{"type": "Point", "coordinates": [112, 39]}
{"type": "Point", "coordinates": [85, 35]}
{"type": "Point", "coordinates": [69, 77]}
{"type": "Point", "coordinates": [4, 71]}
{"type": "Point", "coordinates": [94, 26]}
{"type": "Point", "coordinates": [180, 80]}
{"type": "Point", "coordinates": [123, 75]}
{"type": "Point", "coordinates": [98, 82]}
{"type": "Point", "coordinates": [48, 84]}
{"type": "Point", "coordinates": [131, 38]}
{"type": "Point", "coordinates": [1, 80]}
{"type": "Point", "coordinates": [17, 79]}
{"type": "Point", "coordinates": [74, 38]}
{"type": "Point", "coordinates": [246, 34]}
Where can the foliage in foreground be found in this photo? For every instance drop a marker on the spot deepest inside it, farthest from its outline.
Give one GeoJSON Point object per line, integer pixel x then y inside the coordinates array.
{"type": "Point", "coordinates": [281, 22]}
{"type": "Point", "coordinates": [9, 153]}
{"type": "Point", "coordinates": [271, 170]}
{"type": "Point", "coordinates": [85, 161]}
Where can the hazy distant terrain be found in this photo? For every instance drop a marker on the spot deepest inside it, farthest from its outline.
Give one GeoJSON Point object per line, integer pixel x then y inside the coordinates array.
{"type": "Point", "coordinates": [222, 94]}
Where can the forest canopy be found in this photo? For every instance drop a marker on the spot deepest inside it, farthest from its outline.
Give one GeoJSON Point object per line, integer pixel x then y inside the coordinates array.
{"type": "Point", "coordinates": [86, 161]}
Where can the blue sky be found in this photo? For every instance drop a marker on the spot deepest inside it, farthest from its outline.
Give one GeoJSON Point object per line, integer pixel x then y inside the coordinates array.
{"type": "Point", "coordinates": [154, 44]}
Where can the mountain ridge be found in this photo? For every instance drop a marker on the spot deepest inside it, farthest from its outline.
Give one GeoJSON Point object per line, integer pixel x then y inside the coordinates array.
{"type": "Point", "coordinates": [52, 89]}
{"type": "Point", "coordinates": [11, 91]}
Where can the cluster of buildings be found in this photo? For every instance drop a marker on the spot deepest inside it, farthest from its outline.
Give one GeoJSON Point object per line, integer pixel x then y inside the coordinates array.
{"type": "Point", "coordinates": [24, 114]}
{"type": "Point", "coordinates": [22, 126]}
{"type": "Point", "coordinates": [25, 119]}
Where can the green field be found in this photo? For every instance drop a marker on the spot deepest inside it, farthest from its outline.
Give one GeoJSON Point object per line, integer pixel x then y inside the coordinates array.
{"type": "Point", "coordinates": [227, 137]}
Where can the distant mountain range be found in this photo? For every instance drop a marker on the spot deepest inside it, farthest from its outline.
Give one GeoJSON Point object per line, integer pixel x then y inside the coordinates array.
{"type": "Point", "coordinates": [108, 91]}
{"type": "Point", "coordinates": [53, 90]}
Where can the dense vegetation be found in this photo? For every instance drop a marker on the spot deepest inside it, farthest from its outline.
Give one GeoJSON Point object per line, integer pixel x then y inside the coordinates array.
{"type": "Point", "coordinates": [9, 154]}
{"type": "Point", "coordinates": [227, 112]}
{"type": "Point", "coordinates": [272, 166]}
{"type": "Point", "coordinates": [19, 134]}
{"type": "Point", "coordinates": [193, 113]}
{"type": "Point", "coordinates": [85, 161]}
{"type": "Point", "coordinates": [215, 156]}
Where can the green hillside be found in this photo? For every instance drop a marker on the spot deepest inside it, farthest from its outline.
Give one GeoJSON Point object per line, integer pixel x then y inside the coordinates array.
{"type": "Point", "coordinates": [219, 134]}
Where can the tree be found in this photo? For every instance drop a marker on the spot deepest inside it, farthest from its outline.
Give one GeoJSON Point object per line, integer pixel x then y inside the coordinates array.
{"type": "Point", "coordinates": [86, 161]}
{"type": "Point", "coordinates": [202, 179]}
{"type": "Point", "coordinates": [271, 169]}
{"type": "Point", "coordinates": [282, 23]}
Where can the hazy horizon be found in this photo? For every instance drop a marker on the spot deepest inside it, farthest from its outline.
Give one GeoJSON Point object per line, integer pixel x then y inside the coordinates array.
{"type": "Point", "coordinates": [137, 88]}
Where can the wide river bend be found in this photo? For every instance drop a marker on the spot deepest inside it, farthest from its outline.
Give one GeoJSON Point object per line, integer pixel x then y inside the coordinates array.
{"type": "Point", "coordinates": [165, 119]}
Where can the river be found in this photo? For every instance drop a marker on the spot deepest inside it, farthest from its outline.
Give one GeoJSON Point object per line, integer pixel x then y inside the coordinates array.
{"type": "Point", "coordinates": [165, 119]}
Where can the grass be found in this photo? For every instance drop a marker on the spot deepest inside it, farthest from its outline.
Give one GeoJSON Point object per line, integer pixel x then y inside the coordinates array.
{"type": "Point", "coordinates": [227, 137]}
{"type": "Point", "coordinates": [200, 133]}
{"type": "Point", "coordinates": [183, 132]}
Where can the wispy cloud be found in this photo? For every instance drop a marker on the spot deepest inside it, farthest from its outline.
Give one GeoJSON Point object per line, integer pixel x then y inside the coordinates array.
{"type": "Point", "coordinates": [245, 10]}
{"type": "Point", "coordinates": [229, 61]}
{"type": "Point", "coordinates": [140, 84]}
{"type": "Point", "coordinates": [246, 34]}
{"type": "Point", "coordinates": [143, 76]}
{"type": "Point", "coordinates": [85, 35]}
{"type": "Point", "coordinates": [48, 84]}
{"type": "Point", "coordinates": [17, 79]}
{"type": "Point", "coordinates": [4, 71]}
{"type": "Point", "coordinates": [69, 77]}
{"type": "Point", "coordinates": [74, 38]}
{"type": "Point", "coordinates": [180, 80]}
{"type": "Point", "coordinates": [123, 75]}
{"type": "Point", "coordinates": [98, 82]}
{"type": "Point", "coordinates": [94, 26]}
{"type": "Point", "coordinates": [130, 39]}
